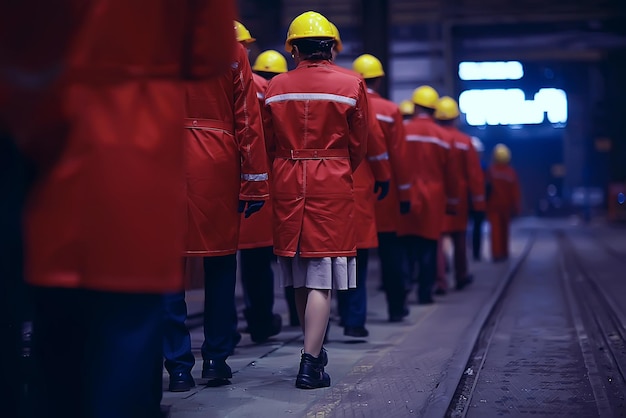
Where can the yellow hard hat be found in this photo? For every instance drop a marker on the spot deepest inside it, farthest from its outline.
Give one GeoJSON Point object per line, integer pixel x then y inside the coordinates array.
{"type": "Point", "coordinates": [337, 38]}
{"type": "Point", "coordinates": [309, 25]}
{"type": "Point", "coordinates": [243, 34]}
{"type": "Point", "coordinates": [502, 154]}
{"type": "Point", "coordinates": [446, 109]}
{"type": "Point", "coordinates": [407, 107]}
{"type": "Point", "coordinates": [425, 96]}
{"type": "Point", "coordinates": [368, 66]}
{"type": "Point", "coordinates": [270, 62]}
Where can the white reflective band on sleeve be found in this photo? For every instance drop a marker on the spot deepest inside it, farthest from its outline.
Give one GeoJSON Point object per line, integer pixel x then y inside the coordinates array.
{"type": "Point", "coordinates": [479, 198]}
{"type": "Point", "coordinates": [462, 146]}
{"type": "Point", "coordinates": [430, 139]}
{"type": "Point", "coordinates": [260, 95]}
{"type": "Point", "coordinates": [311, 96]}
{"type": "Point", "coordinates": [254, 177]}
{"type": "Point", "coordinates": [384, 118]}
{"type": "Point", "coordinates": [405, 186]}
{"type": "Point", "coordinates": [453, 201]}
{"type": "Point", "coordinates": [379, 157]}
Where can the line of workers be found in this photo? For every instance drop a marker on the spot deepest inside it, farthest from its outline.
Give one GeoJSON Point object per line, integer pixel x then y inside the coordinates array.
{"type": "Point", "coordinates": [349, 171]}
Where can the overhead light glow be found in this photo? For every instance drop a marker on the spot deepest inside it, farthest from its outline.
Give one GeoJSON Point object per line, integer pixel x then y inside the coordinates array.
{"type": "Point", "coordinates": [491, 70]}
{"type": "Point", "coordinates": [510, 107]}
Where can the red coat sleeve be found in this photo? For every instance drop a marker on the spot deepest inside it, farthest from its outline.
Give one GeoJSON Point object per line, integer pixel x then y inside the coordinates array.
{"type": "Point", "coordinates": [359, 124]}
{"type": "Point", "coordinates": [476, 179]}
{"type": "Point", "coordinates": [377, 154]}
{"type": "Point", "coordinates": [249, 133]}
{"type": "Point", "coordinates": [397, 155]}
{"type": "Point", "coordinates": [451, 174]}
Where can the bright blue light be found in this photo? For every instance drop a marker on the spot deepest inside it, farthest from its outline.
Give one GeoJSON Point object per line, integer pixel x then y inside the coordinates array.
{"type": "Point", "coordinates": [621, 198]}
{"type": "Point", "coordinates": [491, 70]}
{"type": "Point", "coordinates": [509, 107]}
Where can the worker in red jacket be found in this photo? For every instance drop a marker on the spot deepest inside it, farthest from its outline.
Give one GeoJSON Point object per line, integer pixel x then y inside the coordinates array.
{"type": "Point", "coordinates": [471, 192]}
{"type": "Point", "coordinates": [503, 200]}
{"type": "Point", "coordinates": [96, 108]}
{"type": "Point", "coordinates": [256, 255]}
{"type": "Point", "coordinates": [433, 174]}
{"type": "Point", "coordinates": [387, 211]}
{"type": "Point", "coordinates": [370, 179]}
{"type": "Point", "coordinates": [227, 174]}
{"type": "Point", "coordinates": [316, 123]}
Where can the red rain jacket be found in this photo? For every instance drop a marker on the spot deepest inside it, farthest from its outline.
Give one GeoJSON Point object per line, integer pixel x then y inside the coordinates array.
{"type": "Point", "coordinates": [225, 156]}
{"type": "Point", "coordinates": [256, 231]}
{"type": "Point", "coordinates": [390, 120]}
{"type": "Point", "coordinates": [104, 128]}
{"type": "Point", "coordinates": [471, 181]}
{"type": "Point", "coordinates": [434, 176]}
{"type": "Point", "coordinates": [316, 125]}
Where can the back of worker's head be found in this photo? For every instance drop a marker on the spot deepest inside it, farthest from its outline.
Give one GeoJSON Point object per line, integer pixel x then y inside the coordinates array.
{"type": "Point", "coordinates": [425, 99]}
{"type": "Point", "coordinates": [270, 63]}
{"type": "Point", "coordinates": [501, 154]}
{"type": "Point", "coordinates": [446, 111]}
{"type": "Point", "coordinates": [311, 36]}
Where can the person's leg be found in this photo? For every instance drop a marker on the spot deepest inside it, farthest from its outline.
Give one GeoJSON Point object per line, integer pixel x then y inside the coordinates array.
{"type": "Point", "coordinates": [290, 298]}
{"type": "Point", "coordinates": [15, 306]}
{"type": "Point", "coordinates": [506, 228]}
{"type": "Point", "coordinates": [391, 274]}
{"type": "Point", "coordinates": [461, 274]}
{"type": "Point", "coordinates": [314, 306]}
{"type": "Point", "coordinates": [495, 235]}
{"type": "Point", "coordinates": [123, 355]}
{"type": "Point", "coordinates": [220, 315]}
{"type": "Point", "coordinates": [477, 234]}
{"type": "Point", "coordinates": [441, 285]}
{"type": "Point", "coordinates": [179, 360]}
{"type": "Point", "coordinates": [428, 269]}
{"type": "Point", "coordinates": [257, 279]}
{"type": "Point", "coordinates": [59, 340]}
{"type": "Point", "coordinates": [354, 300]}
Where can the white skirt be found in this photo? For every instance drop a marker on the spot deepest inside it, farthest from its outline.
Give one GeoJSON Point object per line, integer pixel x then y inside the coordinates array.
{"type": "Point", "coordinates": [318, 273]}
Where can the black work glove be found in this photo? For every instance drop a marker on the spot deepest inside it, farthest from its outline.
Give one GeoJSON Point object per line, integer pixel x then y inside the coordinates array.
{"type": "Point", "coordinates": [253, 206]}
{"type": "Point", "coordinates": [405, 207]}
{"type": "Point", "coordinates": [383, 186]}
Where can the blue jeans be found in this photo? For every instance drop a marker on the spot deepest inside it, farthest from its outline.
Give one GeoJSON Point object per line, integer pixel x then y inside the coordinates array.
{"type": "Point", "coordinates": [352, 303]}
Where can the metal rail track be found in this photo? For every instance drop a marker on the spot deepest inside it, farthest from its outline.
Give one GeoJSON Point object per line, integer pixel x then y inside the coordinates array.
{"type": "Point", "coordinates": [601, 335]}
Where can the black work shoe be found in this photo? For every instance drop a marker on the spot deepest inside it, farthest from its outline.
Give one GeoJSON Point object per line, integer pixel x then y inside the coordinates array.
{"type": "Point", "coordinates": [216, 370]}
{"type": "Point", "coordinates": [311, 374]}
{"type": "Point", "coordinates": [181, 382]}
{"type": "Point", "coordinates": [440, 292]}
{"type": "Point", "coordinates": [273, 329]}
{"type": "Point", "coordinates": [425, 300]}
{"type": "Point", "coordinates": [358, 332]}
{"type": "Point", "coordinates": [323, 357]}
{"type": "Point", "coordinates": [460, 284]}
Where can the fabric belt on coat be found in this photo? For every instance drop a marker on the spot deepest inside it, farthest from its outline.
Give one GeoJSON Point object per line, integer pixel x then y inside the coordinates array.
{"type": "Point", "coordinates": [210, 124]}
{"type": "Point", "coordinates": [312, 154]}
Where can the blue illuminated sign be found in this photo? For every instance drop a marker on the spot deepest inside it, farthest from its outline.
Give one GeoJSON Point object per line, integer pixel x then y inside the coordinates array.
{"type": "Point", "coordinates": [491, 70]}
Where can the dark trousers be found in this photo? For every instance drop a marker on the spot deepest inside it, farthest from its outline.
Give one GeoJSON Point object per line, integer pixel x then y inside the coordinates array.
{"type": "Point", "coordinates": [176, 341]}
{"type": "Point", "coordinates": [257, 279]}
{"type": "Point", "coordinates": [391, 265]}
{"type": "Point", "coordinates": [220, 311]}
{"type": "Point", "coordinates": [352, 303]}
{"type": "Point", "coordinates": [459, 244]}
{"type": "Point", "coordinates": [478, 218]}
{"type": "Point", "coordinates": [423, 252]}
{"type": "Point", "coordinates": [98, 354]}
{"type": "Point", "coordinates": [220, 317]}
{"type": "Point", "coordinates": [15, 310]}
